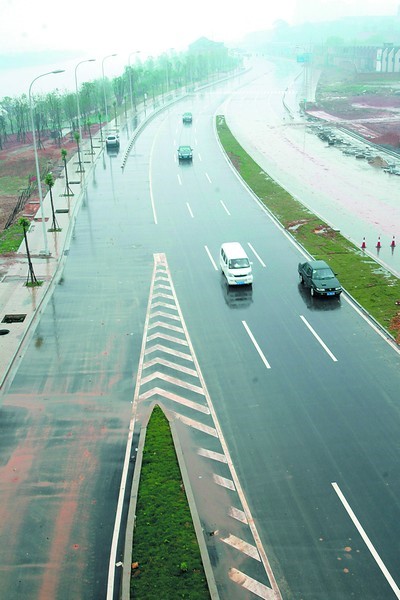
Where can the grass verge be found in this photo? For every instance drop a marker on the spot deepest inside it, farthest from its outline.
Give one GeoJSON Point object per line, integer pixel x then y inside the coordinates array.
{"type": "Point", "coordinates": [11, 238]}
{"type": "Point", "coordinates": [166, 558]}
{"type": "Point", "coordinates": [373, 287]}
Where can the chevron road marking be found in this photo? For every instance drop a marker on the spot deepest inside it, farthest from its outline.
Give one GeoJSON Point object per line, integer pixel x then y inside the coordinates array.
{"type": "Point", "coordinates": [160, 348]}
{"type": "Point", "coordinates": [169, 338]}
{"type": "Point", "coordinates": [161, 295]}
{"type": "Point", "coordinates": [213, 455]}
{"type": "Point", "coordinates": [166, 326]}
{"type": "Point", "coordinates": [224, 482]}
{"type": "Point", "coordinates": [175, 398]}
{"type": "Point", "coordinates": [174, 380]}
{"type": "Point", "coordinates": [238, 514]}
{"type": "Point", "coordinates": [164, 331]}
{"type": "Point", "coordinates": [160, 313]}
{"type": "Point", "coordinates": [242, 546]}
{"type": "Point", "coordinates": [168, 363]}
{"type": "Point", "coordinates": [197, 425]}
{"type": "Point", "coordinates": [261, 590]}
{"type": "Point", "coordinates": [165, 305]}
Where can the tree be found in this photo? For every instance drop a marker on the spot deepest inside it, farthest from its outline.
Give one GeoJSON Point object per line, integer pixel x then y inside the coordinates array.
{"type": "Point", "coordinates": [77, 138]}
{"type": "Point", "coordinates": [49, 181]}
{"type": "Point", "coordinates": [68, 191]}
{"type": "Point", "coordinates": [31, 278]}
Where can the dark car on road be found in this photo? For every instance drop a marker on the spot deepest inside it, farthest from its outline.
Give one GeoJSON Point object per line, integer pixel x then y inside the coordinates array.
{"type": "Point", "coordinates": [185, 153]}
{"type": "Point", "coordinates": [187, 117]}
{"type": "Point", "coordinates": [319, 277]}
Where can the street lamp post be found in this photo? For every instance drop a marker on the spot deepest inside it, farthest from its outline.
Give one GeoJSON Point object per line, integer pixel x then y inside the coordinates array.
{"type": "Point", "coordinates": [130, 77]}
{"type": "Point", "coordinates": [77, 94]}
{"type": "Point", "coordinates": [104, 86]}
{"type": "Point", "coordinates": [46, 246]}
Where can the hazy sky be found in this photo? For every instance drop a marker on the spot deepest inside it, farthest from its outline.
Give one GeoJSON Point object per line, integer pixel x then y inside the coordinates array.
{"type": "Point", "coordinates": [96, 29]}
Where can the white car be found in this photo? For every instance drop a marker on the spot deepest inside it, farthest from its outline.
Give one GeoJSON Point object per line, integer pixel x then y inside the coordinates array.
{"type": "Point", "coordinates": [112, 140]}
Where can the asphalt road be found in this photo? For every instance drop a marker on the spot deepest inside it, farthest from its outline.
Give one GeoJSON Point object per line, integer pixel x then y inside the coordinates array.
{"type": "Point", "coordinates": [288, 403]}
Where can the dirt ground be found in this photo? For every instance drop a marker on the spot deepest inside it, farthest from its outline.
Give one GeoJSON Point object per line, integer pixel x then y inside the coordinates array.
{"type": "Point", "coordinates": [17, 159]}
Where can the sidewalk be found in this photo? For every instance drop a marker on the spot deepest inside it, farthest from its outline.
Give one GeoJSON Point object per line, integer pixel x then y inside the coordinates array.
{"type": "Point", "coordinates": [21, 305]}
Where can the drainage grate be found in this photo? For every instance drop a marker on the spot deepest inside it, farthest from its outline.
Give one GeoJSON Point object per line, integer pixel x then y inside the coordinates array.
{"type": "Point", "coordinates": [13, 318]}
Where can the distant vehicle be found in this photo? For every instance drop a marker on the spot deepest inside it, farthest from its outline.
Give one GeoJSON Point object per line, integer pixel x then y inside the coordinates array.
{"type": "Point", "coordinates": [112, 141]}
{"type": "Point", "coordinates": [235, 264]}
{"type": "Point", "coordinates": [185, 153]}
{"type": "Point", "coordinates": [319, 277]}
{"type": "Point", "coordinates": [187, 117]}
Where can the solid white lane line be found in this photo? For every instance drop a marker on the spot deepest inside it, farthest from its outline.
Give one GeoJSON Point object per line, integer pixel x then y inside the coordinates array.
{"type": "Point", "coordinates": [189, 209]}
{"type": "Point", "coordinates": [208, 177]}
{"type": "Point", "coordinates": [223, 204]}
{"type": "Point", "coordinates": [366, 539]}
{"type": "Point", "coordinates": [256, 255]}
{"type": "Point", "coordinates": [211, 258]}
{"type": "Point", "coordinates": [315, 334]}
{"type": "Point", "coordinates": [179, 179]}
{"type": "Point", "coordinates": [257, 347]}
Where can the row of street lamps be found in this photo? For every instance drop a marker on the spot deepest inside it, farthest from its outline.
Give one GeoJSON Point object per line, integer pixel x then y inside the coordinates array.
{"type": "Point", "coordinates": [46, 247]}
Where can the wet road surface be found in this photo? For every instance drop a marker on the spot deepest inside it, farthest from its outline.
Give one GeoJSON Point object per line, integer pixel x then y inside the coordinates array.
{"type": "Point", "coordinates": [292, 424]}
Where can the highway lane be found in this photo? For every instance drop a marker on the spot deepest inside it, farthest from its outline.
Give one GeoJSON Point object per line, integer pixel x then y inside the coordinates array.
{"type": "Point", "coordinates": [291, 430]}
{"type": "Point", "coordinates": [361, 382]}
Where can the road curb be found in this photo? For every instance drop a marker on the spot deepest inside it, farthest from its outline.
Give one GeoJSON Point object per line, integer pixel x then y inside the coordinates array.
{"type": "Point", "coordinates": [130, 525]}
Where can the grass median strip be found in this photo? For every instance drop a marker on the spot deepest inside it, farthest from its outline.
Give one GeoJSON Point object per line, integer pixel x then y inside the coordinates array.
{"type": "Point", "coordinates": [373, 287]}
{"type": "Point", "coordinates": [166, 557]}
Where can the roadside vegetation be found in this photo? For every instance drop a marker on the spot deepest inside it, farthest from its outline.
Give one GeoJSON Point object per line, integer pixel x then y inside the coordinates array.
{"type": "Point", "coordinates": [11, 238]}
{"type": "Point", "coordinates": [166, 558]}
{"type": "Point", "coordinates": [374, 288]}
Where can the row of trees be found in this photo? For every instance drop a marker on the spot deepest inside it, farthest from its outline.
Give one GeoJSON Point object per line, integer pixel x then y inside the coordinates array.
{"type": "Point", "coordinates": [148, 80]}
